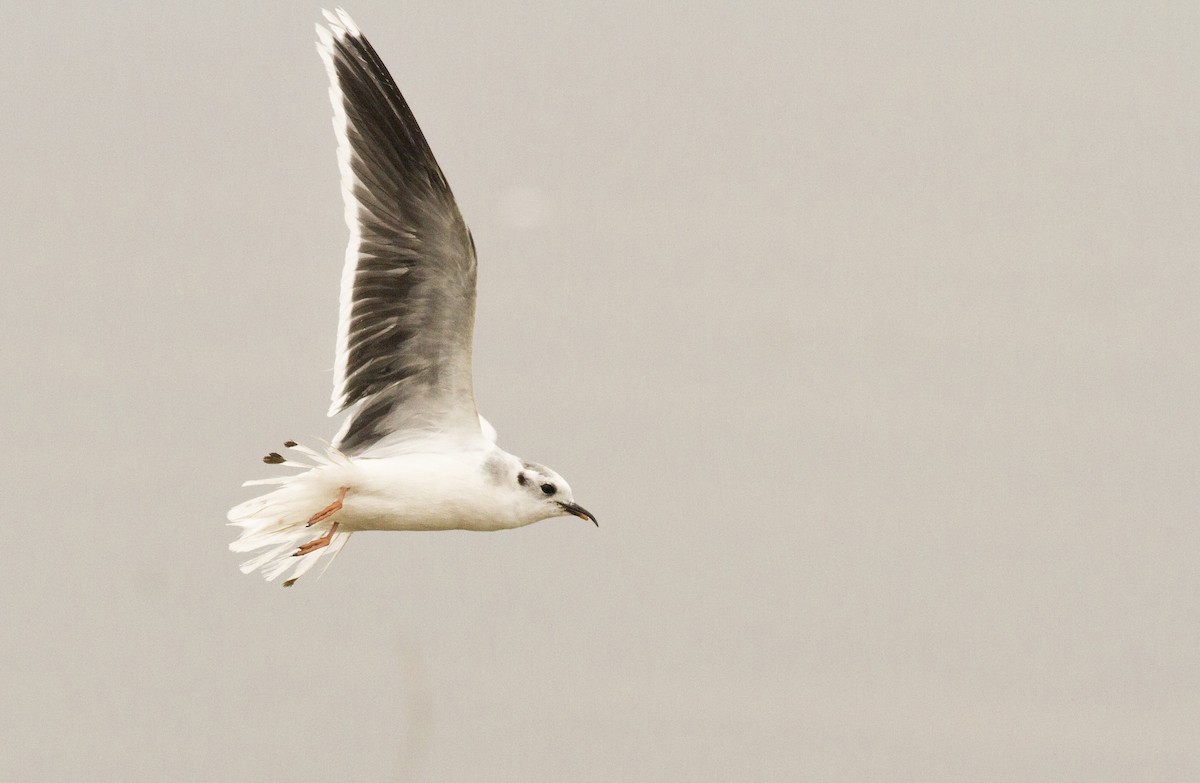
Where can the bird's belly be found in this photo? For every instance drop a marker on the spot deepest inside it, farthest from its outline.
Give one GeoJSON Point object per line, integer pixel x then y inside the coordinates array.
{"type": "Point", "coordinates": [370, 513]}
{"type": "Point", "coordinates": [424, 505]}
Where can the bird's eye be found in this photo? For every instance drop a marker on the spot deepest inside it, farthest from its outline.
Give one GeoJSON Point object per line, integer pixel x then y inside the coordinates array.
{"type": "Point", "coordinates": [549, 489]}
{"type": "Point", "coordinates": [521, 479]}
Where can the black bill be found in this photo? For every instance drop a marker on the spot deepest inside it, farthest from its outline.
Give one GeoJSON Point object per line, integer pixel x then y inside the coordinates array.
{"type": "Point", "coordinates": [579, 511]}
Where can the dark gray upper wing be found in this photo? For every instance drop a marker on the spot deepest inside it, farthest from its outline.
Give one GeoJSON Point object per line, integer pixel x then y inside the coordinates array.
{"type": "Point", "coordinates": [408, 287]}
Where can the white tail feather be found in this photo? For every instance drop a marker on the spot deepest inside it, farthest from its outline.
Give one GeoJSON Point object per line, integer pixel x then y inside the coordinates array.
{"type": "Point", "coordinates": [278, 520]}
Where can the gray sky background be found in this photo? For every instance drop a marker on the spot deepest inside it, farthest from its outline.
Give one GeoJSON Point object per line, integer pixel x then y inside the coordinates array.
{"type": "Point", "coordinates": [870, 334]}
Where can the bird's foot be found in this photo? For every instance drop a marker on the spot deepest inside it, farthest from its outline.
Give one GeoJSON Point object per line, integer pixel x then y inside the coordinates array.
{"type": "Point", "coordinates": [317, 543]}
{"type": "Point", "coordinates": [329, 510]}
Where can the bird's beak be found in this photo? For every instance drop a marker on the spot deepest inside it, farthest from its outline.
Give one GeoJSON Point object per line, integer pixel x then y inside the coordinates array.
{"type": "Point", "coordinates": [579, 511]}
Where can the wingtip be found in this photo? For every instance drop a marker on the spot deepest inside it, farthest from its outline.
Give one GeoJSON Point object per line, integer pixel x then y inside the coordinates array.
{"type": "Point", "coordinates": [347, 22]}
{"type": "Point", "coordinates": [340, 22]}
{"type": "Point", "coordinates": [324, 36]}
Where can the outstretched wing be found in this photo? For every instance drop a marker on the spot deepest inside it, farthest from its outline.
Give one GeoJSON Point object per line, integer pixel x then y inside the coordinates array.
{"type": "Point", "coordinates": [408, 288]}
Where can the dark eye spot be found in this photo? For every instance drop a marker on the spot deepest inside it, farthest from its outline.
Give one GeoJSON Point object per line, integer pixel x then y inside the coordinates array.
{"type": "Point", "coordinates": [549, 489]}
{"type": "Point", "coordinates": [521, 479]}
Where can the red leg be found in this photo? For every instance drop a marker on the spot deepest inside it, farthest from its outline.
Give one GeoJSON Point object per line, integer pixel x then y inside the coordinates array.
{"type": "Point", "coordinates": [330, 509]}
{"type": "Point", "coordinates": [317, 543]}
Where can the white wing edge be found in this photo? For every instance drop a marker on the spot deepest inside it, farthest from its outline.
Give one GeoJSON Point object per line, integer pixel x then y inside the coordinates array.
{"type": "Point", "coordinates": [341, 26]}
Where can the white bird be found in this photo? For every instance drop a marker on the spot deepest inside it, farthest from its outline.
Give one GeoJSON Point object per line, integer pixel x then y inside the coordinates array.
{"type": "Point", "coordinates": [414, 454]}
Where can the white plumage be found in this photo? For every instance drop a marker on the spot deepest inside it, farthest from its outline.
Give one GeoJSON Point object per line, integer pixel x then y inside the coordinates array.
{"type": "Point", "coordinates": [413, 454]}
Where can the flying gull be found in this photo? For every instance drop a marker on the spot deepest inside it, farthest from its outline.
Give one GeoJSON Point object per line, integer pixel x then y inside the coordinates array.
{"type": "Point", "coordinates": [413, 454]}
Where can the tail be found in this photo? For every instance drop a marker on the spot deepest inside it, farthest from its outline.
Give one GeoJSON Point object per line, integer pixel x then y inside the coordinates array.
{"type": "Point", "coordinates": [277, 521]}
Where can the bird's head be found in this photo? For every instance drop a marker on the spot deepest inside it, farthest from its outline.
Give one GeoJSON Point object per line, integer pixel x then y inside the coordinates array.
{"type": "Point", "coordinates": [546, 494]}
